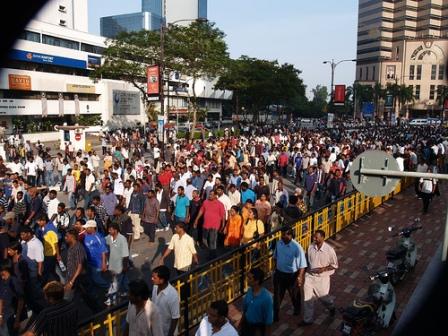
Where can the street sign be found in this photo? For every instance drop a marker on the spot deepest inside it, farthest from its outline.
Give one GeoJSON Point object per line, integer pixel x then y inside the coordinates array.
{"type": "Point", "coordinates": [373, 185]}
{"type": "Point", "coordinates": [78, 136]}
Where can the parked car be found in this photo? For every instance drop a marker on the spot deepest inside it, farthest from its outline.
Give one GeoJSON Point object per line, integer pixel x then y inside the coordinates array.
{"type": "Point", "coordinates": [418, 122]}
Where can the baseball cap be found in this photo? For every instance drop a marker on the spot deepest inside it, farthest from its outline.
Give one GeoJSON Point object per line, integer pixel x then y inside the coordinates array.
{"type": "Point", "coordinates": [9, 215]}
{"type": "Point", "coordinates": [89, 224]}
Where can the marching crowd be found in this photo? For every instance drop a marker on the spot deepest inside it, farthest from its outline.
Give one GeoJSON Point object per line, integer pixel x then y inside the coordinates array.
{"type": "Point", "coordinates": [214, 193]}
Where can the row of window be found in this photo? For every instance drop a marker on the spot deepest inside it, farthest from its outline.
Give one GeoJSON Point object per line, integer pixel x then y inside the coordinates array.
{"type": "Point", "coordinates": [19, 94]}
{"type": "Point", "coordinates": [60, 42]}
{"type": "Point", "coordinates": [435, 75]}
{"type": "Point", "coordinates": [366, 73]}
{"type": "Point", "coordinates": [434, 91]}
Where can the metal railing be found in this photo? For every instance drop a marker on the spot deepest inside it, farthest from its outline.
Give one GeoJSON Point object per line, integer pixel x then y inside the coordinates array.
{"type": "Point", "coordinates": [225, 277]}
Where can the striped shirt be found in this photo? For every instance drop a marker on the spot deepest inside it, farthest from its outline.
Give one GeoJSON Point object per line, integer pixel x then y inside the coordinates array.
{"type": "Point", "coordinates": [75, 255]}
{"type": "Point", "coordinates": [56, 320]}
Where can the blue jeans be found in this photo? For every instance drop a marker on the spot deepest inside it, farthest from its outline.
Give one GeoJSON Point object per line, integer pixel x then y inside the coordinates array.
{"type": "Point", "coordinates": [97, 278]}
{"type": "Point", "coordinates": [49, 178]}
{"type": "Point", "coordinates": [163, 221]}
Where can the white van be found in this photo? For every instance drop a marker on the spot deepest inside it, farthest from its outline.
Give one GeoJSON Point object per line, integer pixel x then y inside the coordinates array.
{"type": "Point", "coordinates": [418, 122]}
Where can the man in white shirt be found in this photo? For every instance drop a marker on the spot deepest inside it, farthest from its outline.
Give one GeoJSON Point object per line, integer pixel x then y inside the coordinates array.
{"type": "Point", "coordinates": [234, 195]}
{"type": "Point", "coordinates": [165, 297]}
{"type": "Point", "coordinates": [224, 199]}
{"type": "Point", "coordinates": [215, 322]}
{"type": "Point", "coordinates": [143, 317]}
{"type": "Point", "coordinates": [31, 171]}
{"type": "Point", "coordinates": [189, 189]}
{"type": "Point", "coordinates": [52, 205]}
{"type": "Point", "coordinates": [16, 167]}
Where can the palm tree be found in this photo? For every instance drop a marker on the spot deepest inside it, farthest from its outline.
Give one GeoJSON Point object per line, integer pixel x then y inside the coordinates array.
{"type": "Point", "coordinates": [378, 93]}
{"type": "Point", "coordinates": [394, 90]}
{"type": "Point", "coordinates": [405, 95]}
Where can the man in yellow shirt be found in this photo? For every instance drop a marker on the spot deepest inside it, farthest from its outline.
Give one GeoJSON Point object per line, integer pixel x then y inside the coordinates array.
{"type": "Point", "coordinates": [48, 235]}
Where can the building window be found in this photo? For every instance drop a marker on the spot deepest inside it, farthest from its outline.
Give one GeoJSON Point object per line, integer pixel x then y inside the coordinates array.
{"type": "Point", "coordinates": [62, 9]}
{"type": "Point", "coordinates": [441, 71]}
{"type": "Point", "coordinates": [62, 23]}
{"type": "Point", "coordinates": [432, 89]}
{"type": "Point", "coordinates": [373, 73]}
{"type": "Point", "coordinates": [397, 53]}
{"type": "Point", "coordinates": [30, 36]}
{"type": "Point", "coordinates": [419, 72]}
{"type": "Point", "coordinates": [92, 48]}
{"type": "Point", "coordinates": [439, 91]}
{"type": "Point", "coordinates": [411, 72]}
{"type": "Point", "coordinates": [417, 92]}
{"type": "Point", "coordinates": [360, 73]}
{"type": "Point", "coordinates": [433, 71]}
{"type": "Point", "coordinates": [367, 73]}
{"type": "Point", "coordinates": [59, 42]}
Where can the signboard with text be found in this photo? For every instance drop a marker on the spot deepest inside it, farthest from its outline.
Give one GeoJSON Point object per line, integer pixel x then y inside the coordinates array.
{"type": "Point", "coordinates": [80, 88]}
{"type": "Point", "coordinates": [153, 80]}
{"type": "Point", "coordinates": [28, 56]}
{"type": "Point", "coordinates": [125, 102]}
{"type": "Point", "coordinates": [389, 101]}
{"type": "Point", "coordinates": [19, 82]}
{"type": "Point", "coordinates": [367, 109]}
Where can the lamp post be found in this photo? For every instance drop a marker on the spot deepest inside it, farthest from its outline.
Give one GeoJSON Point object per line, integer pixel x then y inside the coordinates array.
{"type": "Point", "coordinates": [163, 29]}
{"type": "Point", "coordinates": [333, 65]}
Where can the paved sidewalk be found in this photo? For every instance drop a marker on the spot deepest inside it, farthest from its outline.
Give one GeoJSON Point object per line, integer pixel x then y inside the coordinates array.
{"type": "Point", "coordinates": [362, 244]}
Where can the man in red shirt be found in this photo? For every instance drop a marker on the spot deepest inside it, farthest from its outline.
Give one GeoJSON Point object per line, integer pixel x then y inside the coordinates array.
{"type": "Point", "coordinates": [165, 178]}
{"type": "Point", "coordinates": [283, 163]}
{"type": "Point", "coordinates": [214, 221]}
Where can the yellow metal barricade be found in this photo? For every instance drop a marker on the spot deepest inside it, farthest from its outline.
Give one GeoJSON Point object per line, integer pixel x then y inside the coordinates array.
{"type": "Point", "coordinates": [226, 277]}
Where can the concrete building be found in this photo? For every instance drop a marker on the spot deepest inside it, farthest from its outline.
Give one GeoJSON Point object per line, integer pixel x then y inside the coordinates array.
{"type": "Point", "coordinates": [46, 82]}
{"type": "Point", "coordinates": [404, 42]}
{"type": "Point", "coordinates": [72, 14]}
{"type": "Point", "coordinates": [152, 15]}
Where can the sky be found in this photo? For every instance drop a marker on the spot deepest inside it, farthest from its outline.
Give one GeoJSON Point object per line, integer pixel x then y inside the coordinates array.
{"type": "Point", "coordinates": [301, 32]}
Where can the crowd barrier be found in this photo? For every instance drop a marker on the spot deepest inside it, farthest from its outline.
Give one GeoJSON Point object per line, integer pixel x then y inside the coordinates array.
{"type": "Point", "coordinates": [226, 277]}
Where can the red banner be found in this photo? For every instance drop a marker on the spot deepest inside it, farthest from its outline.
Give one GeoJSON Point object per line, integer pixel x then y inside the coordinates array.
{"type": "Point", "coordinates": [339, 94]}
{"type": "Point", "coordinates": [445, 104]}
{"type": "Point", "coordinates": [153, 80]}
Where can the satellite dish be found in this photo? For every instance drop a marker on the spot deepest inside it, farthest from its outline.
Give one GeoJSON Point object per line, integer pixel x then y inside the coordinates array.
{"type": "Point", "coordinates": [374, 185]}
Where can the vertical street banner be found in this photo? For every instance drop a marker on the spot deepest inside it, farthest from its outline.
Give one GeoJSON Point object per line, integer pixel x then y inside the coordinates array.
{"type": "Point", "coordinates": [330, 119]}
{"type": "Point", "coordinates": [389, 101]}
{"type": "Point", "coordinates": [339, 95]}
{"type": "Point", "coordinates": [43, 99]}
{"type": "Point", "coordinates": [61, 104]}
{"type": "Point", "coordinates": [77, 111]}
{"type": "Point", "coordinates": [153, 80]}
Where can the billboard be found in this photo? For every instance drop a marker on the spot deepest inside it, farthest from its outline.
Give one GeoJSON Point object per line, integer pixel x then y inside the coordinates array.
{"type": "Point", "coordinates": [19, 82]}
{"type": "Point", "coordinates": [125, 102]}
{"type": "Point", "coordinates": [80, 88]}
{"type": "Point", "coordinates": [367, 109]}
{"type": "Point", "coordinates": [28, 56]}
{"type": "Point", "coordinates": [389, 101]}
{"type": "Point", "coordinates": [153, 80]}
{"type": "Point", "coordinates": [339, 95]}
{"type": "Point", "coordinates": [93, 61]}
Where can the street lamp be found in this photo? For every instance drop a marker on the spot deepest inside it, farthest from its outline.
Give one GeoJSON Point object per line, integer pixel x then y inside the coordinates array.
{"type": "Point", "coordinates": [333, 65]}
{"type": "Point", "coordinates": [163, 29]}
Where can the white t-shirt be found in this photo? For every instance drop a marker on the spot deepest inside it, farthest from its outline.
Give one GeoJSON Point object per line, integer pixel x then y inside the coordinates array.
{"type": "Point", "coordinates": [427, 185]}
{"type": "Point", "coordinates": [156, 152]}
{"type": "Point", "coordinates": [205, 329]}
{"type": "Point", "coordinates": [90, 181]}
{"type": "Point", "coordinates": [31, 168]}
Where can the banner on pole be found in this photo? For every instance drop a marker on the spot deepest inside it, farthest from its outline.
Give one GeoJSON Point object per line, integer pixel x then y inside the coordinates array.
{"type": "Point", "coordinates": [339, 95]}
{"type": "Point", "coordinates": [153, 80]}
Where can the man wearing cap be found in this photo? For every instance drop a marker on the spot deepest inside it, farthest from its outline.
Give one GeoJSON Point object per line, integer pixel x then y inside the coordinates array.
{"type": "Point", "coordinates": [96, 250]}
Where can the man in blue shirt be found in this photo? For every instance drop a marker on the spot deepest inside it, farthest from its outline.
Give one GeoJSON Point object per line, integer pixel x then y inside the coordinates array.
{"type": "Point", "coordinates": [96, 250]}
{"type": "Point", "coordinates": [290, 270]}
{"type": "Point", "coordinates": [247, 193]}
{"type": "Point", "coordinates": [257, 306]}
{"type": "Point", "coordinates": [182, 205]}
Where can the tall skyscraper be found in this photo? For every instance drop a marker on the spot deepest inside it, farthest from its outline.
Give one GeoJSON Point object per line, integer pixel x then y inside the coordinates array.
{"type": "Point", "coordinates": [404, 42]}
{"type": "Point", "coordinates": [152, 14]}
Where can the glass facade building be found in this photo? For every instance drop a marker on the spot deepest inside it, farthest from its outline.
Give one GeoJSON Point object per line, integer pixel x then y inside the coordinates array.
{"type": "Point", "coordinates": [111, 26]}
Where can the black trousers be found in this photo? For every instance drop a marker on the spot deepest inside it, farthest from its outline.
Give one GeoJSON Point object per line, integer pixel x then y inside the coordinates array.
{"type": "Point", "coordinates": [426, 198]}
{"type": "Point", "coordinates": [285, 282]}
{"type": "Point", "coordinates": [150, 230]}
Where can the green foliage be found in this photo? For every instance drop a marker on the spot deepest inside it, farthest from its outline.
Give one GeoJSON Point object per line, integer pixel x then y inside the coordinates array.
{"type": "Point", "coordinates": [197, 50]}
{"type": "Point", "coordinates": [89, 120]}
{"type": "Point", "coordinates": [258, 84]}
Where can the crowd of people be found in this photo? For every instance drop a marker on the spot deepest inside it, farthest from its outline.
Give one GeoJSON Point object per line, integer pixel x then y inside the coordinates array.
{"type": "Point", "coordinates": [213, 193]}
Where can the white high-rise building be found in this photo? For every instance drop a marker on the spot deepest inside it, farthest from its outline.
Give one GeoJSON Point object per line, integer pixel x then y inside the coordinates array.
{"type": "Point", "coordinates": [72, 14]}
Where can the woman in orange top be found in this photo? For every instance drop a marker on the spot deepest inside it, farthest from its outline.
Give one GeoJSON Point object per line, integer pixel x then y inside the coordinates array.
{"type": "Point", "coordinates": [233, 228]}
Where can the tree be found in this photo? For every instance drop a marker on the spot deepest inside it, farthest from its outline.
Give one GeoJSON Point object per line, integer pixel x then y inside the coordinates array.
{"type": "Point", "coordinates": [405, 96]}
{"type": "Point", "coordinates": [197, 50]}
{"type": "Point", "coordinates": [258, 85]}
{"type": "Point", "coordinates": [127, 57]}
{"type": "Point", "coordinates": [378, 94]}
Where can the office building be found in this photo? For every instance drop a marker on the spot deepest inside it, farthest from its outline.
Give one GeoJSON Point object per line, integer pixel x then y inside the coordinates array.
{"type": "Point", "coordinates": [404, 42]}
{"type": "Point", "coordinates": [72, 14]}
{"type": "Point", "coordinates": [152, 14]}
